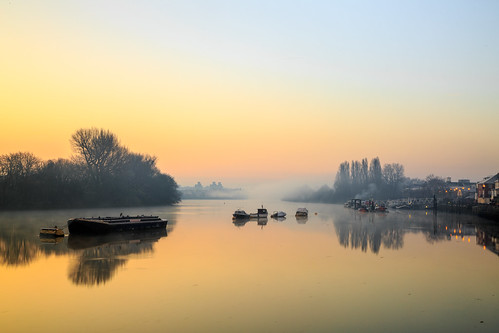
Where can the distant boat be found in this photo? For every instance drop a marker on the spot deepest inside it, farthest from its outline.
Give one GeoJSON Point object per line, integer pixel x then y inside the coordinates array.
{"type": "Point", "coordinates": [381, 209]}
{"type": "Point", "coordinates": [101, 225]}
{"type": "Point", "coordinates": [240, 215]}
{"type": "Point", "coordinates": [301, 212]}
{"type": "Point", "coordinates": [52, 232]}
{"type": "Point", "coordinates": [278, 214]}
{"type": "Point", "coordinates": [262, 213]}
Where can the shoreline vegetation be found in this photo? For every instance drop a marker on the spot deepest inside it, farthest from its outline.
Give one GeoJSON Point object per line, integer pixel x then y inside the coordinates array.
{"type": "Point", "coordinates": [101, 173]}
{"type": "Point", "coordinates": [369, 181]}
{"type": "Point", "coordinates": [363, 180]}
{"type": "Point", "coordinates": [372, 181]}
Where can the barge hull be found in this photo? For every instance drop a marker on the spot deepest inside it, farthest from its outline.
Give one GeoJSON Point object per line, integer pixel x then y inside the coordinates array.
{"type": "Point", "coordinates": [82, 226]}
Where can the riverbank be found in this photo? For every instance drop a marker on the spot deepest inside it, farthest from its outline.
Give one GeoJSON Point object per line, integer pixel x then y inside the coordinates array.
{"type": "Point", "coordinates": [487, 211]}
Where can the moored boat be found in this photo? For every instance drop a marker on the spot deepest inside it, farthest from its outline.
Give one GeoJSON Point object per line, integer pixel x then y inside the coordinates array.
{"type": "Point", "coordinates": [261, 213]}
{"type": "Point", "coordinates": [381, 209]}
{"type": "Point", "coordinates": [278, 214]}
{"type": "Point", "coordinates": [52, 232]}
{"type": "Point", "coordinates": [240, 215]}
{"type": "Point", "coordinates": [301, 212]}
{"type": "Point", "coordinates": [99, 225]}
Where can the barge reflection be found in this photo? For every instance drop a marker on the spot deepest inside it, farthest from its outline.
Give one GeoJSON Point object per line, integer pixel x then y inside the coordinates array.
{"type": "Point", "coordinates": [99, 257]}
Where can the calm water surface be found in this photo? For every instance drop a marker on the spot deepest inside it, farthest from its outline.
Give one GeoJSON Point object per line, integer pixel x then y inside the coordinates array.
{"type": "Point", "coordinates": [338, 270]}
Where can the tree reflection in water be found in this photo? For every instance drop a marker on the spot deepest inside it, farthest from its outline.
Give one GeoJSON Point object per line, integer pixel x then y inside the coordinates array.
{"type": "Point", "coordinates": [20, 241]}
{"type": "Point", "coordinates": [368, 231]}
{"type": "Point", "coordinates": [371, 230]}
{"type": "Point", "coordinates": [99, 257]}
{"type": "Point", "coordinates": [18, 252]}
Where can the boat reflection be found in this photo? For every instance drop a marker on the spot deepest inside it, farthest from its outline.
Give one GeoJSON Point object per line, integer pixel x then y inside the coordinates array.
{"type": "Point", "coordinates": [242, 222]}
{"type": "Point", "coordinates": [99, 257]}
{"type": "Point", "coordinates": [51, 240]}
{"type": "Point", "coordinates": [301, 219]}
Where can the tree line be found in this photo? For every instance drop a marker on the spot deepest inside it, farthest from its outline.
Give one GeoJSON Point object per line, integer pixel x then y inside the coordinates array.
{"type": "Point", "coordinates": [363, 179]}
{"type": "Point", "coordinates": [101, 173]}
{"type": "Point", "coordinates": [370, 180]}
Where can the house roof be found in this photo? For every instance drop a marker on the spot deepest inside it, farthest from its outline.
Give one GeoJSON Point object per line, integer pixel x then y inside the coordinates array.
{"type": "Point", "coordinates": [490, 180]}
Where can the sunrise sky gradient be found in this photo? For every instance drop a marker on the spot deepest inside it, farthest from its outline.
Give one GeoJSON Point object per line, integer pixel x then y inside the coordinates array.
{"type": "Point", "coordinates": [255, 91]}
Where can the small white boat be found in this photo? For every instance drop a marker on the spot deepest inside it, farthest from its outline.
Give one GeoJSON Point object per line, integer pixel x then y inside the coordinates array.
{"type": "Point", "coordinates": [278, 214]}
{"type": "Point", "coordinates": [301, 212]}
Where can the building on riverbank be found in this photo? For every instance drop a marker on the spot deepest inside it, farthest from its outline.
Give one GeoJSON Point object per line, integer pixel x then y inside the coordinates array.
{"type": "Point", "coordinates": [488, 190]}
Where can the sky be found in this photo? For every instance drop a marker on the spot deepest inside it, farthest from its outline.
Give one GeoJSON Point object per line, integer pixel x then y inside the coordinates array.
{"type": "Point", "coordinates": [257, 91]}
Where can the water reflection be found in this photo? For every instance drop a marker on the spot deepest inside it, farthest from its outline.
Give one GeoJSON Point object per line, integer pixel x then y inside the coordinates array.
{"type": "Point", "coordinates": [242, 222]}
{"type": "Point", "coordinates": [368, 231]}
{"type": "Point", "coordinates": [487, 235]}
{"type": "Point", "coordinates": [15, 251]}
{"type": "Point", "coordinates": [99, 257]}
{"type": "Point", "coordinates": [51, 240]}
{"type": "Point", "coordinates": [301, 219]}
{"type": "Point", "coordinates": [371, 231]}
{"type": "Point", "coordinates": [21, 243]}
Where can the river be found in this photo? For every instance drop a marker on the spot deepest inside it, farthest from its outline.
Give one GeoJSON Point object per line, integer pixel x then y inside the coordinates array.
{"type": "Point", "coordinates": [337, 270]}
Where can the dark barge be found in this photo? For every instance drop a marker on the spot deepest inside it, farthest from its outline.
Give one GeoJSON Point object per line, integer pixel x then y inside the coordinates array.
{"type": "Point", "coordinates": [103, 225]}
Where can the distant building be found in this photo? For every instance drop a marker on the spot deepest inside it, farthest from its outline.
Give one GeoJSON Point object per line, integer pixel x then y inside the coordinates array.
{"type": "Point", "coordinates": [463, 188]}
{"type": "Point", "coordinates": [212, 191]}
{"type": "Point", "coordinates": [487, 190]}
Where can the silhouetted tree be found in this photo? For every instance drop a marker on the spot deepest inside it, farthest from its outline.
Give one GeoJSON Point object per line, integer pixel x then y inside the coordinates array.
{"type": "Point", "coordinates": [360, 179]}
{"type": "Point", "coordinates": [100, 150]}
{"type": "Point", "coordinates": [17, 172]}
{"type": "Point", "coordinates": [61, 184]}
{"type": "Point", "coordinates": [375, 172]}
{"type": "Point", "coordinates": [364, 173]}
{"type": "Point", "coordinates": [343, 183]}
{"type": "Point", "coordinates": [393, 176]}
{"type": "Point", "coordinates": [103, 173]}
{"type": "Point", "coordinates": [433, 185]}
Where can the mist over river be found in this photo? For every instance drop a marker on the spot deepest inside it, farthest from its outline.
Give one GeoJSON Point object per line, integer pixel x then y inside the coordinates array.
{"type": "Point", "coordinates": [337, 270]}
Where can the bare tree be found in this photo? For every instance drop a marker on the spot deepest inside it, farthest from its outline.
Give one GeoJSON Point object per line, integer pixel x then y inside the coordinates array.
{"type": "Point", "coordinates": [100, 150]}
{"type": "Point", "coordinates": [433, 185]}
{"type": "Point", "coordinates": [375, 172]}
{"type": "Point", "coordinates": [393, 176]}
{"type": "Point", "coordinates": [16, 166]}
{"type": "Point", "coordinates": [342, 183]}
{"type": "Point", "coordinates": [364, 172]}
